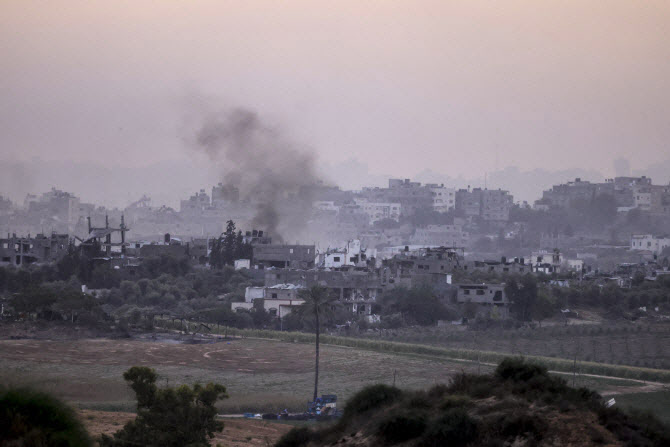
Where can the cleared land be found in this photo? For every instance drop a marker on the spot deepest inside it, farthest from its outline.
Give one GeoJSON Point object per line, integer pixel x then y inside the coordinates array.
{"type": "Point", "coordinates": [260, 374]}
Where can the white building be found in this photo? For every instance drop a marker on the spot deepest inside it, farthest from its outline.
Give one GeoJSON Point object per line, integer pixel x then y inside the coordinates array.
{"type": "Point", "coordinates": [277, 300]}
{"type": "Point", "coordinates": [649, 242]}
{"type": "Point", "coordinates": [444, 199]}
{"type": "Point", "coordinates": [351, 254]}
{"type": "Point", "coordinates": [546, 262]}
{"type": "Point", "coordinates": [576, 265]}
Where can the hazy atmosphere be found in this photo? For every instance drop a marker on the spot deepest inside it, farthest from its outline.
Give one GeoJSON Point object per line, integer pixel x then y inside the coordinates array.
{"type": "Point", "coordinates": [460, 88]}
{"type": "Point", "coordinates": [383, 223]}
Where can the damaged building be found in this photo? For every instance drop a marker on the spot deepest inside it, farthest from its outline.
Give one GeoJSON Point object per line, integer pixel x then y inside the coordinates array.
{"type": "Point", "coordinates": [27, 250]}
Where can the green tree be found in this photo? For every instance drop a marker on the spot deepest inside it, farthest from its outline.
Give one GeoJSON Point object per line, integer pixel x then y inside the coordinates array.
{"type": "Point", "coordinates": [318, 302]}
{"type": "Point", "coordinates": [522, 292]}
{"type": "Point", "coordinates": [543, 307]}
{"type": "Point", "coordinates": [171, 417]}
{"type": "Point", "coordinates": [229, 244]}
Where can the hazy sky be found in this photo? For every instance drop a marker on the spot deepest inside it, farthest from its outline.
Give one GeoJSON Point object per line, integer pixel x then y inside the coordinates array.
{"type": "Point", "coordinates": [460, 87]}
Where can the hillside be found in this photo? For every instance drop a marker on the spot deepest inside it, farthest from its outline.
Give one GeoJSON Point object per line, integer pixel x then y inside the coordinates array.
{"type": "Point", "coordinates": [520, 404]}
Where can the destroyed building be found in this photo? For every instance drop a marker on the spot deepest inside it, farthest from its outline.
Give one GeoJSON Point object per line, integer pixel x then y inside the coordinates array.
{"type": "Point", "coordinates": [284, 256]}
{"type": "Point", "coordinates": [27, 250]}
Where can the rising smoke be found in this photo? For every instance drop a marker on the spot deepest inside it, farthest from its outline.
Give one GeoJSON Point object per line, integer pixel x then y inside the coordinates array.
{"type": "Point", "coordinates": [266, 166]}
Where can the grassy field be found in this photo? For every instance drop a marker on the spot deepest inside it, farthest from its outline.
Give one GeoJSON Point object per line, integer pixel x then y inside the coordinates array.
{"type": "Point", "coordinates": [455, 354]}
{"type": "Point", "coordinates": [625, 343]}
{"type": "Point", "coordinates": [260, 374]}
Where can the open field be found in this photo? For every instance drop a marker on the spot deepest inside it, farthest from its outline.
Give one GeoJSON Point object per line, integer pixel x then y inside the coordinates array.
{"type": "Point", "coordinates": [464, 355]}
{"type": "Point", "coordinates": [260, 374]}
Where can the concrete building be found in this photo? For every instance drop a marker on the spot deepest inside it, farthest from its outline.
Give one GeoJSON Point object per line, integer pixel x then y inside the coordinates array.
{"type": "Point", "coordinates": [444, 199]}
{"type": "Point", "coordinates": [278, 300]}
{"type": "Point", "coordinates": [649, 242]}
{"type": "Point", "coordinates": [352, 254]}
{"type": "Point", "coordinates": [21, 251]}
{"type": "Point", "coordinates": [546, 262]}
{"type": "Point", "coordinates": [284, 256]}
{"type": "Point", "coordinates": [377, 211]}
{"type": "Point", "coordinates": [196, 203]}
{"type": "Point", "coordinates": [488, 204]}
{"type": "Point", "coordinates": [410, 195]}
{"type": "Point", "coordinates": [440, 236]}
{"type": "Point", "coordinates": [490, 299]}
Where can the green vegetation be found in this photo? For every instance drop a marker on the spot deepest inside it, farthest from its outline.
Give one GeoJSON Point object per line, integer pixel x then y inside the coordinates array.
{"type": "Point", "coordinates": [519, 402]}
{"type": "Point", "coordinates": [30, 418]}
{"type": "Point", "coordinates": [170, 417]}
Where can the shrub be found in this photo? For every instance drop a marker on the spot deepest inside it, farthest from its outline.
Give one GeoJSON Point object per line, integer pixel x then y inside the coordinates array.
{"type": "Point", "coordinates": [517, 369]}
{"type": "Point", "coordinates": [400, 426]}
{"type": "Point", "coordinates": [522, 424]}
{"type": "Point", "coordinates": [371, 397]}
{"type": "Point", "coordinates": [455, 401]}
{"type": "Point", "coordinates": [454, 427]}
{"type": "Point", "coordinates": [297, 437]}
{"type": "Point", "coordinates": [33, 418]}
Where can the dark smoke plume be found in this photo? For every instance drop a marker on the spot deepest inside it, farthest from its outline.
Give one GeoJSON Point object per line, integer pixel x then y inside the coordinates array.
{"type": "Point", "coordinates": [263, 163]}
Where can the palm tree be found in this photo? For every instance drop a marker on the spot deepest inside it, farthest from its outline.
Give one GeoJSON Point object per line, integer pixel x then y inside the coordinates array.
{"type": "Point", "coordinates": [318, 302]}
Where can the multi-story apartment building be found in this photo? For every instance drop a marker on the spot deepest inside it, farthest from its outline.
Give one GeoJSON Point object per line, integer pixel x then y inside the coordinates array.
{"type": "Point", "coordinates": [440, 235]}
{"type": "Point", "coordinates": [489, 204]}
{"type": "Point", "coordinates": [377, 211]}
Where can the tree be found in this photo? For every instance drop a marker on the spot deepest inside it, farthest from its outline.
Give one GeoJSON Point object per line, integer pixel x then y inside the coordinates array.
{"type": "Point", "coordinates": [171, 417]}
{"type": "Point", "coordinates": [543, 307]}
{"type": "Point", "coordinates": [522, 292]}
{"type": "Point", "coordinates": [229, 244]}
{"type": "Point", "coordinates": [318, 302]}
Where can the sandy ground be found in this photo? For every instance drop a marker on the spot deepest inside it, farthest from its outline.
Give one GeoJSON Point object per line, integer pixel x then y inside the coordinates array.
{"type": "Point", "coordinates": [236, 432]}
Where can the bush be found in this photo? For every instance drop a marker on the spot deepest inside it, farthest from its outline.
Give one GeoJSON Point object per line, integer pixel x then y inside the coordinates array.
{"type": "Point", "coordinates": [400, 426]}
{"type": "Point", "coordinates": [455, 401]}
{"type": "Point", "coordinates": [33, 418]}
{"type": "Point", "coordinates": [297, 437]}
{"type": "Point", "coordinates": [518, 370]}
{"type": "Point", "coordinates": [454, 427]}
{"type": "Point", "coordinates": [371, 397]}
{"type": "Point", "coordinates": [522, 424]}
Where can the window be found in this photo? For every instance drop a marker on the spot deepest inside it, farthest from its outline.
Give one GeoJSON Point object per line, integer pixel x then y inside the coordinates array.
{"type": "Point", "coordinates": [273, 312]}
{"type": "Point", "coordinates": [274, 295]}
{"type": "Point", "coordinates": [466, 292]}
{"type": "Point", "coordinates": [336, 259]}
{"type": "Point", "coordinates": [290, 250]}
{"type": "Point", "coordinates": [480, 292]}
